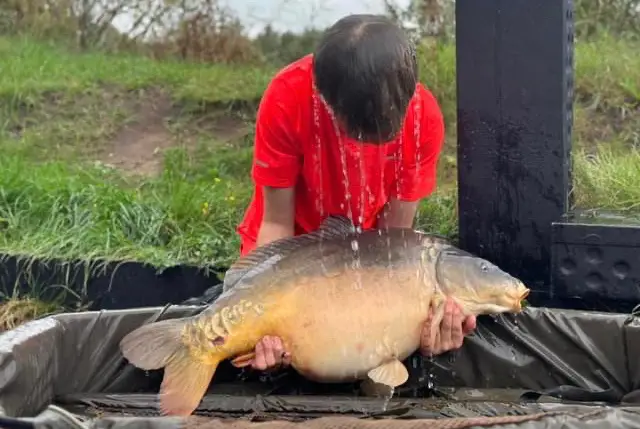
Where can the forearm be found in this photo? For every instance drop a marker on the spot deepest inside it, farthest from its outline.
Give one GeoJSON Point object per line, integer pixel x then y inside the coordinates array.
{"type": "Point", "coordinates": [279, 215]}
{"type": "Point", "coordinates": [272, 231]}
{"type": "Point", "coordinates": [398, 214]}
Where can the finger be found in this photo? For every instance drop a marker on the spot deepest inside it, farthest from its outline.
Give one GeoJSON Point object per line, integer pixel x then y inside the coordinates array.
{"type": "Point", "coordinates": [283, 358]}
{"type": "Point", "coordinates": [425, 336]}
{"type": "Point", "coordinates": [278, 350]}
{"type": "Point", "coordinates": [469, 325]}
{"type": "Point", "coordinates": [259, 361]}
{"type": "Point", "coordinates": [457, 337]}
{"type": "Point", "coordinates": [268, 352]}
{"type": "Point", "coordinates": [434, 347]}
{"type": "Point", "coordinates": [446, 327]}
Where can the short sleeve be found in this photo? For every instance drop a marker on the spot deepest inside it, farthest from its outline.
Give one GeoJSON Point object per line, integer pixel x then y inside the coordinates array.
{"type": "Point", "coordinates": [276, 160]}
{"type": "Point", "coordinates": [421, 147]}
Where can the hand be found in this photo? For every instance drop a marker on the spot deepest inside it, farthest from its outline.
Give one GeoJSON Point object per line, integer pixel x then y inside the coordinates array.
{"type": "Point", "coordinates": [454, 326]}
{"type": "Point", "coordinates": [270, 354]}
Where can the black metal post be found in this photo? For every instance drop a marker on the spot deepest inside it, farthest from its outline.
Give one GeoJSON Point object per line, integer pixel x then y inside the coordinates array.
{"type": "Point", "coordinates": [515, 91]}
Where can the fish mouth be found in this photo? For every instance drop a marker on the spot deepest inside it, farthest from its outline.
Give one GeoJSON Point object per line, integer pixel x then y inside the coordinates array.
{"type": "Point", "coordinates": [522, 296]}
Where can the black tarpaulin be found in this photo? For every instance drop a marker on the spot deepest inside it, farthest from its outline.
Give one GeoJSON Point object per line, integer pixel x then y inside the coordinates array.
{"type": "Point", "coordinates": [541, 361]}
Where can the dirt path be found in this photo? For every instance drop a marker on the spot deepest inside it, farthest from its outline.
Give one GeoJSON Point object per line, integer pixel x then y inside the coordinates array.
{"type": "Point", "coordinates": [137, 148]}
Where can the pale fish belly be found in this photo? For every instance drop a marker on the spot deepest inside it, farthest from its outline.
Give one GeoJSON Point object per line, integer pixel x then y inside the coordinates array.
{"type": "Point", "coordinates": [345, 327]}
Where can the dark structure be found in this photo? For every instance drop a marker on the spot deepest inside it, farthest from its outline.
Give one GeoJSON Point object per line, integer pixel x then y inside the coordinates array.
{"type": "Point", "coordinates": [515, 103]}
{"type": "Point", "coordinates": [595, 262]}
{"type": "Point", "coordinates": [104, 286]}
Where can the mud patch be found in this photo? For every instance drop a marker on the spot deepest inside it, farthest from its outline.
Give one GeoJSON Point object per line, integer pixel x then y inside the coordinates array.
{"type": "Point", "coordinates": [157, 123]}
{"type": "Point", "coordinates": [220, 123]}
{"type": "Point", "coordinates": [137, 148]}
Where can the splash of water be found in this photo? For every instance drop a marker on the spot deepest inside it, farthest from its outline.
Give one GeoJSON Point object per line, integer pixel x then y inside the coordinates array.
{"type": "Point", "coordinates": [356, 263]}
{"type": "Point", "coordinates": [361, 205]}
{"type": "Point", "coordinates": [343, 162]}
{"type": "Point", "coordinates": [427, 374]}
{"type": "Point", "coordinates": [387, 399]}
{"type": "Point", "coordinates": [318, 156]}
{"type": "Point", "coordinates": [417, 131]}
{"type": "Point", "coordinates": [363, 181]}
{"type": "Point", "coordinates": [317, 163]}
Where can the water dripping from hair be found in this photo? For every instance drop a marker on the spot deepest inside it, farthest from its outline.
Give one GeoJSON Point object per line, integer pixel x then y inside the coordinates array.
{"type": "Point", "coordinates": [416, 137]}
{"type": "Point", "coordinates": [417, 132]}
{"type": "Point", "coordinates": [317, 163]}
{"type": "Point", "coordinates": [355, 245]}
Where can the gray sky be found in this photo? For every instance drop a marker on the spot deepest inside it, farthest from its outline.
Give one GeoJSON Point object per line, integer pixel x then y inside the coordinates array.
{"type": "Point", "coordinates": [291, 15]}
{"type": "Point", "coordinates": [295, 15]}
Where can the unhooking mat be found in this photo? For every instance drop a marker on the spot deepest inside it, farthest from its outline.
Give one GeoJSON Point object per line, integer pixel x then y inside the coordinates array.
{"type": "Point", "coordinates": [544, 368]}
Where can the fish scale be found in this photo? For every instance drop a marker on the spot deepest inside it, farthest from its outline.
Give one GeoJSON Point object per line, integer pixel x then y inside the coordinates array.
{"type": "Point", "coordinates": [339, 321]}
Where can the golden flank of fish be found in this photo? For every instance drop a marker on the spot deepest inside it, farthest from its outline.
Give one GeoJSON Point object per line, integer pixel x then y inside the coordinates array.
{"type": "Point", "coordinates": [348, 306]}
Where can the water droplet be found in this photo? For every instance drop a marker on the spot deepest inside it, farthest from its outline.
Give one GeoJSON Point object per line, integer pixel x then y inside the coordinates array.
{"type": "Point", "coordinates": [416, 128]}
{"type": "Point", "coordinates": [387, 398]}
{"type": "Point", "coordinates": [318, 156]}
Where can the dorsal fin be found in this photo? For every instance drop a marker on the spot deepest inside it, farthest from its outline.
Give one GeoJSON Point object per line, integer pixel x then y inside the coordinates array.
{"type": "Point", "coordinates": [262, 258]}
{"type": "Point", "coordinates": [435, 236]}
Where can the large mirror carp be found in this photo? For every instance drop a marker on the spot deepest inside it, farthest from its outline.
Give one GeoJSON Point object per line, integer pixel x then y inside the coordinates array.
{"type": "Point", "coordinates": [348, 306]}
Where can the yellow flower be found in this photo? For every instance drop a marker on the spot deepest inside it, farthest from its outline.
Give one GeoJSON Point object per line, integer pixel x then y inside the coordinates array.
{"type": "Point", "coordinates": [217, 180]}
{"type": "Point", "coordinates": [205, 208]}
{"type": "Point", "coordinates": [232, 198]}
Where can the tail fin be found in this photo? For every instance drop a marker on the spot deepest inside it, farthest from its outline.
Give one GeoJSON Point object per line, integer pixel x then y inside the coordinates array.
{"type": "Point", "coordinates": [159, 345]}
{"type": "Point", "coordinates": [152, 346]}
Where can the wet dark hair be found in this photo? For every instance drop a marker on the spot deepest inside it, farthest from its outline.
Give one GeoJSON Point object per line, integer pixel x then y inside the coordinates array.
{"type": "Point", "coordinates": [365, 69]}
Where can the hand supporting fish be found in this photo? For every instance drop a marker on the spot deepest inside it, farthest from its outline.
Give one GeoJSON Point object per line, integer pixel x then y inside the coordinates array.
{"type": "Point", "coordinates": [454, 326]}
{"type": "Point", "coordinates": [270, 353]}
{"type": "Point", "coordinates": [341, 316]}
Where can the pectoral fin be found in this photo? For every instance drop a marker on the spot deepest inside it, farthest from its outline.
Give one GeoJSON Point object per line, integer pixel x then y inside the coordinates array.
{"type": "Point", "coordinates": [392, 373]}
{"type": "Point", "coordinates": [243, 360]}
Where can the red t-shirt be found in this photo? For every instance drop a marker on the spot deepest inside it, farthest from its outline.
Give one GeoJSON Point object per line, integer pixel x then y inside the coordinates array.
{"type": "Point", "coordinates": [297, 144]}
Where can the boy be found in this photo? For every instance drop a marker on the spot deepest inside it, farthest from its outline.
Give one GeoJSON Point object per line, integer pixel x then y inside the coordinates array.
{"type": "Point", "coordinates": [348, 130]}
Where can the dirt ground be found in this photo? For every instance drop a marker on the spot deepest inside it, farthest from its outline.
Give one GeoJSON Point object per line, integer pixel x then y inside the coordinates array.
{"type": "Point", "coordinates": [158, 124]}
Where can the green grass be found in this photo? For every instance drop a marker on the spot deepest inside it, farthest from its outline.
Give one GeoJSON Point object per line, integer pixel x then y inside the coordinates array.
{"type": "Point", "coordinates": [187, 215]}
{"type": "Point", "coordinates": [60, 110]}
{"type": "Point", "coordinates": [608, 181]}
{"type": "Point", "coordinates": [29, 69]}
{"type": "Point", "coordinates": [608, 73]}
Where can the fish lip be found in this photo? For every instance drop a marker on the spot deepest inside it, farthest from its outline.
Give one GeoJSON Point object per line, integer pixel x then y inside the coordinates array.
{"type": "Point", "coordinates": [525, 293]}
